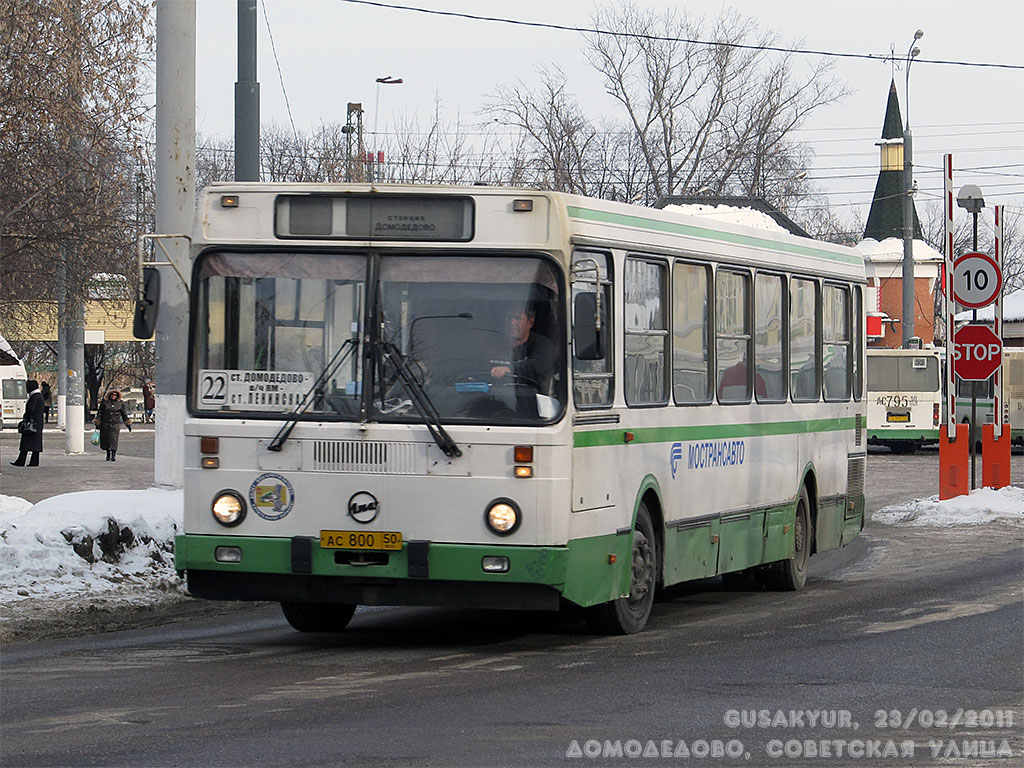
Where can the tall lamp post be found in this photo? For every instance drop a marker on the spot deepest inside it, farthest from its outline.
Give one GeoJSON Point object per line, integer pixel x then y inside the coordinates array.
{"type": "Point", "coordinates": [387, 80]}
{"type": "Point", "coordinates": [908, 209]}
{"type": "Point", "coordinates": [971, 199]}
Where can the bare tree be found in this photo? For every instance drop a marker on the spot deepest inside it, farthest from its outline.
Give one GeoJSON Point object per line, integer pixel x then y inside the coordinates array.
{"type": "Point", "coordinates": [697, 117]}
{"type": "Point", "coordinates": [933, 229]}
{"type": "Point", "coordinates": [70, 113]}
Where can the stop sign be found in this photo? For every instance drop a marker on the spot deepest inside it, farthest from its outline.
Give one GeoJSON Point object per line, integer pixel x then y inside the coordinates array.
{"type": "Point", "coordinates": [977, 352]}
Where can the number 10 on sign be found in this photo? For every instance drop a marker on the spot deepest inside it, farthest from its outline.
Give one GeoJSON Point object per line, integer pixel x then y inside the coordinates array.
{"type": "Point", "coordinates": [977, 280]}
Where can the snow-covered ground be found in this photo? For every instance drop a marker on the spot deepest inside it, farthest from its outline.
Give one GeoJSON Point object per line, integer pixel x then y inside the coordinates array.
{"type": "Point", "coordinates": [118, 545]}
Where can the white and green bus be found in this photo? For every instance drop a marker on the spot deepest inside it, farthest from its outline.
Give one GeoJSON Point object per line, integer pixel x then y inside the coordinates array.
{"type": "Point", "coordinates": [905, 393]}
{"type": "Point", "coordinates": [366, 425]}
{"type": "Point", "coordinates": [1012, 371]}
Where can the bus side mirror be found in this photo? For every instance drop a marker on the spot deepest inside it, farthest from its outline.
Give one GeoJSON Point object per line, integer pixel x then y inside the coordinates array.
{"type": "Point", "coordinates": [590, 331]}
{"type": "Point", "coordinates": [147, 304]}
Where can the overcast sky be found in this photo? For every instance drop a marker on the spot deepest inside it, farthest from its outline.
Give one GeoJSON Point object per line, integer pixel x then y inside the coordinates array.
{"type": "Point", "coordinates": [331, 52]}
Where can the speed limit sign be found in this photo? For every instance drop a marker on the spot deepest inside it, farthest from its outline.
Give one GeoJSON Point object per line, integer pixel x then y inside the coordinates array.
{"type": "Point", "coordinates": [977, 280]}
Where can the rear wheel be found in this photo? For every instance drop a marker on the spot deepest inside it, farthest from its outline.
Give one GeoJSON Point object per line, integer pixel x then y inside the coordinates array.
{"type": "Point", "coordinates": [318, 617]}
{"type": "Point", "coordinates": [791, 574]}
{"type": "Point", "coordinates": [628, 615]}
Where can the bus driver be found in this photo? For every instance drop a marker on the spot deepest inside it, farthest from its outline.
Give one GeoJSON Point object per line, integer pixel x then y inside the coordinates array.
{"type": "Point", "coordinates": [533, 355]}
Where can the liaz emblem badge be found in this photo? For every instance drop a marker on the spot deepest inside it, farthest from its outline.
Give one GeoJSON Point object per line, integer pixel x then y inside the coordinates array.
{"type": "Point", "coordinates": [271, 496]}
{"type": "Point", "coordinates": [363, 507]}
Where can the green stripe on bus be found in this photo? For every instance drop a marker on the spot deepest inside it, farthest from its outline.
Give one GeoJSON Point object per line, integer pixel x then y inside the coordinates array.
{"type": "Point", "coordinates": [589, 214]}
{"type": "Point", "coordinates": [710, 432]}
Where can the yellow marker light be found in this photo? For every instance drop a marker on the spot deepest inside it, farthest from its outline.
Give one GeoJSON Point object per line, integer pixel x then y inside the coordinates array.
{"type": "Point", "coordinates": [210, 462]}
{"type": "Point", "coordinates": [523, 454]}
{"type": "Point", "coordinates": [522, 205]}
{"type": "Point", "coordinates": [229, 201]}
{"type": "Point", "coordinates": [524, 471]}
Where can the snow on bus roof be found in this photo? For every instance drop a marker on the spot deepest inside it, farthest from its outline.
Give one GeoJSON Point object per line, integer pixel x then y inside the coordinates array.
{"type": "Point", "coordinates": [746, 217]}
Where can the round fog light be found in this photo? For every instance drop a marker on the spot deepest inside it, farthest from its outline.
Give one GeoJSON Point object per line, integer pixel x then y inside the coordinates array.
{"type": "Point", "coordinates": [503, 516]}
{"type": "Point", "coordinates": [228, 508]}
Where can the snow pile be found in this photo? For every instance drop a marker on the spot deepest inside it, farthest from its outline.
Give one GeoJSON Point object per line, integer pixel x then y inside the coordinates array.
{"type": "Point", "coordinates": [746, 217]}
{"type": "Point", "coordinates": [89, 543]}
{"type": "Point", "coordinates": [982, 505]}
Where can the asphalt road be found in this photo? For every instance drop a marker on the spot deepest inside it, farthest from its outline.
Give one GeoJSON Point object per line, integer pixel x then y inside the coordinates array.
{"type": "Point", "coordinates": [891, 639]}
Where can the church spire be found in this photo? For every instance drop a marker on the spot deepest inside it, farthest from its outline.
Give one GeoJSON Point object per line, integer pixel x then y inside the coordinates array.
{"type": "Point", "coordinates": [886, 216]}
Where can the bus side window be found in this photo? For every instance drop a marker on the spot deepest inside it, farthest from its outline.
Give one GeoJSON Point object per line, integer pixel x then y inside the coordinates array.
{"type": "Point", "coordinates": [645, 345]}
{"type": "Point", "coordinates": [593, 379]}
{"type": "Point", "coordinates": [835, 343]}
{"type": "Point", "coordinates": [804, 385]}
{"type": "Point", "coordinates": [691, 329]}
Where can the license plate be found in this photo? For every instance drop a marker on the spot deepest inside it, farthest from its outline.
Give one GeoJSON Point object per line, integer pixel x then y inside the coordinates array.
{"type": "Point", "coordinates": [897, 417]}
{"type": "Point", "coordinates": [386, 540]}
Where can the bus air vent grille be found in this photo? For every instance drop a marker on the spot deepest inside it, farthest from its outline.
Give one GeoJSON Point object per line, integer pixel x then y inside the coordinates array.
{"type": "Point", "coordinates": [855, 477]}
{"type": "Point", "coordinates": [371, 457]}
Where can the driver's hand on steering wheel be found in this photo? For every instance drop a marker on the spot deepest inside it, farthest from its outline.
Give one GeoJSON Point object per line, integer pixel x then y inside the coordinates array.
{"type": "Point", "coordinates": [500, 371]}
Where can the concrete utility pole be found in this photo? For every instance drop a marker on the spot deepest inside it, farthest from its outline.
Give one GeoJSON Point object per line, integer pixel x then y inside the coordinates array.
{"type": "Point", "coordinates": [74, 337]}
{"type": "Point", "coordinates": [908, 210]}
{"type": "Point", "coordinates": [247, 97]}
{"type": "Point", "coordinates": [175, 212]}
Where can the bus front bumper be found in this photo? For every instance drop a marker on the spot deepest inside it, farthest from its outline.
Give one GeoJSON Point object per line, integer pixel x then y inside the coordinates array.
{"type": "Point", "coordinates": [421, 573]}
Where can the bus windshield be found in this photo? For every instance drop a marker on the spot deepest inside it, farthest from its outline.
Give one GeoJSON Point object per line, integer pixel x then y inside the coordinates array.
{"type": "Point", "coordinates": [479, 337]}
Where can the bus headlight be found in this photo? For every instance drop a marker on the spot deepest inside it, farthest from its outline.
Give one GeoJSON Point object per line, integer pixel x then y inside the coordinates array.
{"type": "Point", "coordinates": [503, 516]}
{"type": "Point", "coordinates": [228, 508]}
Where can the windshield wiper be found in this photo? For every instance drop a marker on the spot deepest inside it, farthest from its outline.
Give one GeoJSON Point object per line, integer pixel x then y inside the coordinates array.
{"type": "Point", "coordinates": [431, 418]}
{"type": "Point", "coordinates": [317, 387]}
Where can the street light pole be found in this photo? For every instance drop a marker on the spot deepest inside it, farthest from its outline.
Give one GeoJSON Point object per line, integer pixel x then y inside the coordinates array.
{"type": "Point", "coordinates": [387, 80]}
{"type": "Point", "coordinates": [908, 210]}
{"type": "Point", "coordinates": [971, 198]}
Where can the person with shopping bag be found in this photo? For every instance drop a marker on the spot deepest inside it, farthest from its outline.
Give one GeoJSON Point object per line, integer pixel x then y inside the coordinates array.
{"type": "Point", "coordinates": [31, 427]}
{"type": "Point", "coordinates": [108, 420]}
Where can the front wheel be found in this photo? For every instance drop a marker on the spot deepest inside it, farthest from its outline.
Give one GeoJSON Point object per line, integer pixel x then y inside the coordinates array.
{"type": "Point", "coordinates": [628, 615]}
{"type": "Point", "coordinates": [318, 617]}
{"type": "Point", "coordinates": [791, 574]}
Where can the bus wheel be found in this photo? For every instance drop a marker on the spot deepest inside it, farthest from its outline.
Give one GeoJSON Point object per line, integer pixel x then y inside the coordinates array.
{"type": "Point", "coordinates": [318, 617]}
{"type": "Point", "coordinates": [791, 574]}
{"type": "Point", "coordinates": [628, 615]}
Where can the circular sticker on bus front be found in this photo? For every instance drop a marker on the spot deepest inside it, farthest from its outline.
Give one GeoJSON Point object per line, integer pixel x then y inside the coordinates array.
{"type": "Point", "coordinates": [271, 496]}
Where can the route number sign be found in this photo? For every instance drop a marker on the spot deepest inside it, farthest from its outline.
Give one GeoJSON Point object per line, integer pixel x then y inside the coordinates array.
{"type": "Point", "coordinates": [977, 280]}
{"type": "Point", "coordinates": [977, 352]}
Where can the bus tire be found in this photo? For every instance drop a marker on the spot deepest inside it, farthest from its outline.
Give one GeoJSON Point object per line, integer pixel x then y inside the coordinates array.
{"type": "Point", "coordinates": [628, 615]}
{"type": "Point", "coordinates": [318, 617]}
{"type": "Point", "coordinates": [790, 575]}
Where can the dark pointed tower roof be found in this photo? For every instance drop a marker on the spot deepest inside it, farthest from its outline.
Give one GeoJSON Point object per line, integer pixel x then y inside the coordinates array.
{"type": "Point", "coordinates": [886, 216]}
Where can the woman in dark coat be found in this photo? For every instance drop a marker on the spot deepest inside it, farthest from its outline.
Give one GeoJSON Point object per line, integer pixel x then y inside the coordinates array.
{"type": "Point", "coordinates": [108, 420]}
{"type": "Point", "coordinates": [31, 441]}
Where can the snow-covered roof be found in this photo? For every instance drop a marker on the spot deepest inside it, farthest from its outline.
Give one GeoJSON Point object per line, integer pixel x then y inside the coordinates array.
{"type": "Point", "coordinates": [891, 249]}
{"type": "Point", "coordinates": [746, 217]}
{"type": "Point", "coordinates": [1013, 309]}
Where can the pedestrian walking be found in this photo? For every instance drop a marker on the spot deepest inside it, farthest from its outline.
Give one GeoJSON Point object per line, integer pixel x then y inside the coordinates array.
{"type": "Point", "coordinates": [31, 427]}
{"type": "Point", "coordinates": [148, 401]}
{"type": "Point", "coordinates": [47, 400]}
{"type": "Point", "coordinates": [109, 417]}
